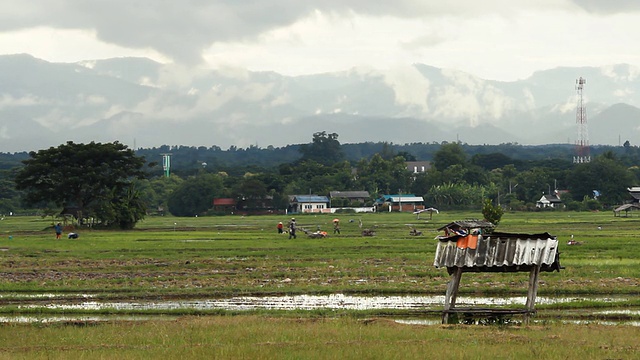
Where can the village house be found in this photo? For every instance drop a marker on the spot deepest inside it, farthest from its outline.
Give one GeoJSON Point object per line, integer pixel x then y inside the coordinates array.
{"type": "Point", "coordinates": [224, 205]}
{"type": "Point", "coordinates": [634, 192]}
{"type": "Point", "coordinates": [631, 204]}
{"type": "Point", "coordinates": [549, 200]}
{"type": "Point", "coordinates": [416, 167]}
{"type": "Point", "coordinates": [308, 204]}
{"type": "Point", "coordinates": [399, 202]}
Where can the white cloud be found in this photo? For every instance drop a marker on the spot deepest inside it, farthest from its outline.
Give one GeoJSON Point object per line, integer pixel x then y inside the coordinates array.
{"type": "Point", "coordinates": [281, 99]}
{"type": "Point", "coordinates": [56, 120]}
{"type": "Point", "coordinates": [621, 73]}
{"type": "Point", "coordinates": [8, 100]}
{"type": "Point", "coordinates": [410, 87]}
{"type": "Point", "coordinates": [67, 45]}
{"type": "Point", "coordinates": [493, 39]}
{"type": "Point", "coordinates": [91, 99]}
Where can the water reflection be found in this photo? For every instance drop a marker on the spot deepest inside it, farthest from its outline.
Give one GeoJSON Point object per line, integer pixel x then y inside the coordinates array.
{"type": "Point", "coordinates": [546, 321]}
{"type": "Point", "coordinates": [311, 302]}
{"type": "Point", "coordinates": [76, 319]}
{"type": "Point", "coordinates": [21, 296]}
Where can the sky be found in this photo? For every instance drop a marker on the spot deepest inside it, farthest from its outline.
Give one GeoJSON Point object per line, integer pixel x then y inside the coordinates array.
{"type": "Point", "coordinates": [502, 40]}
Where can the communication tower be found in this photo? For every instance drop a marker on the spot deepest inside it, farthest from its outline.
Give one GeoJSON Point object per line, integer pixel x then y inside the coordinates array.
{"type": "Point", "coordinates": [582, 142]}
{"type": "Point", "coordinates": [166, 163]}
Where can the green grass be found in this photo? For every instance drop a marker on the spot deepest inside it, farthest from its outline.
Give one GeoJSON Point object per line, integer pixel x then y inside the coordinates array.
{"type": "Point", "coordinates": [181, 258]}
{"type": "Point", "coordinates": [233, 254]}
{"type": "Point", "coordinates": [257, 337]}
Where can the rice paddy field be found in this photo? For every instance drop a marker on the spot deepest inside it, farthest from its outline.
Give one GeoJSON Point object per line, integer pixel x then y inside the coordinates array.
{"type": "Point", "coordinates": [186, 259]}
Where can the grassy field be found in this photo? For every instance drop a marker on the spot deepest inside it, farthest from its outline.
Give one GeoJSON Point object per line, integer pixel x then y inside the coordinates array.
{"type": "Point", "coordinates": [259, 337]}
{"type": "Point", "coordinates": [223, 256]}
{"type": "Point", "coordinates": [183, 258]}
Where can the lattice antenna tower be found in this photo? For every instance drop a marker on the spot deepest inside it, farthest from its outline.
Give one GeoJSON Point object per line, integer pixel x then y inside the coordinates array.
{"type": "Point", "coordinates": [166, 163]}
{"type": "Point", "coordinates": [582, 142]}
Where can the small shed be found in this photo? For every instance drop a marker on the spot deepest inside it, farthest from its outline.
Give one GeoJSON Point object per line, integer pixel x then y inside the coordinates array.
{"type": "Point", "coordinates": [626, 208]}
{"type": "Point", "coordinates": [473, 246]}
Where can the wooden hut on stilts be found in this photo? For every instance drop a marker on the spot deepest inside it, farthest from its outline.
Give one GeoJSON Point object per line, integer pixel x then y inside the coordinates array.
{"type": "Point", "coordinates": [473, 246]}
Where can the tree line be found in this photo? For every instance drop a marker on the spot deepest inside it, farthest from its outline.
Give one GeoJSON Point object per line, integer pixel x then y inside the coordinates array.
{"type": "Point", "coordinates": [118, 186]}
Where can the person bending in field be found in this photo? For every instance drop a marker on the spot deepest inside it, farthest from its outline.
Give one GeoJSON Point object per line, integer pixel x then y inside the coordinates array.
{"type": "Point", "coordinates": [280, 230]}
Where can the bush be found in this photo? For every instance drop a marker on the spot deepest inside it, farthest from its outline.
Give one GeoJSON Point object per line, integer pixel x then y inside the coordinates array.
{"type": "Point", "coordinates": [491, 213]}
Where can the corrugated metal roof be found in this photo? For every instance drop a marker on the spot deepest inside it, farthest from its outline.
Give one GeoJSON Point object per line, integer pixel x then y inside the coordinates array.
{"type": "Point", "coordinates": [407, 199]}
{"type": "Point", "coordinates": [467, 224]}
{"type": "Point", "coordinates": [626, 207]}
{"type": "Point", "coordinates": [550, 198]}
{"type": "Point", "coordinates": [311, 199]}
{"type": "Point", "coordinates": [498, 252]}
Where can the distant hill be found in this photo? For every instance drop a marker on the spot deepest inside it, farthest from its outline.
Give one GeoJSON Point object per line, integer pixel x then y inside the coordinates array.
{"type": "Point", "coordinates": [146, 104]}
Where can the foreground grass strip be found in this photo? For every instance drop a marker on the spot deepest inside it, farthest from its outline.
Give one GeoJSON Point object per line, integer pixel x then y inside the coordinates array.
{"type": "Point", "coordinates": [257, 337]}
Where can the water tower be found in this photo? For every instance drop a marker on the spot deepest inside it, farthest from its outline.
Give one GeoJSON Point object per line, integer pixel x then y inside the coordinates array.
{"type": "Point", "coordinates": [166, 163]}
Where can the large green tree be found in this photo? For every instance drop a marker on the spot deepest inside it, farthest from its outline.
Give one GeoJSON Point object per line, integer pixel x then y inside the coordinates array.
{"type": "Point", "coordinates": [325, 149]}
{"type": "Point", "coordinates": [448, 155]}
{"type": "Point", "coordinates": [9, 197]}
{"type": "Point", "coordinates": [195, 195]}
{"type": "Point", "coordinates": [89, 177]}
{"type": "Point", "coordinates": [605, 174]}
{"type": "Point", "coordinates": [380, 176]}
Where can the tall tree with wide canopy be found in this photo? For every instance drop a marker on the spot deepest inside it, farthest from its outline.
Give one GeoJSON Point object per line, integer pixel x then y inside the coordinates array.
{"type": "Point", "coordinates": [95, 178]}
{"type": "Point", "coordinates": [448, 155]}
{"type": "Point", "coordinates": [325, 149]}
{"type": "Point", "coordinates": [605, 174]}
{"type": "Point", "coordinates": [195, 195]}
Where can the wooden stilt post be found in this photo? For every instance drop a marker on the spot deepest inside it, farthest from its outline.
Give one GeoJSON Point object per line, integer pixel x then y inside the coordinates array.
{"type": "Point", "coordinates": [533, 291]}
{"type": "Point", "coordinates": [452, 294]}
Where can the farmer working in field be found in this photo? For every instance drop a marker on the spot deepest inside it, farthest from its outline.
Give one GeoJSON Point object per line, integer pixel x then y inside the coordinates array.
{"type": "Point", "coordinates": [292, 228]}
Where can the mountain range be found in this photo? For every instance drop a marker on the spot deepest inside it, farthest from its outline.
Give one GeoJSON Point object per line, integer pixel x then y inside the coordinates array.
{"type": "Point", "coordinates": [143, 103]}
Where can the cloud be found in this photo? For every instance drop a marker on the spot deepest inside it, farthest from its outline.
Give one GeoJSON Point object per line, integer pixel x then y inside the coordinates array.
{"type": "Point", "coordinates": [425, 41]}
{"type": "Point", "coordinates": [410, 87]}
{"type": "Point", "coordinates": [182, 30]}
{"type": "Point", "coordinates": [55, 120]}
{"type": "Point", "coordinates": [621, 73]}
{"type": "Point", "coordinates": [8, 101]}
{"type": "Point", "coordinates": [608, 7]}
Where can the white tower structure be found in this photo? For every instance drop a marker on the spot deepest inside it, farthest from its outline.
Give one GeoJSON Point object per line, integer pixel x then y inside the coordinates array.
{"type": "Point", "coordinates": [166, 163]}
{"type": "Point", "coordinates": [582, 142]}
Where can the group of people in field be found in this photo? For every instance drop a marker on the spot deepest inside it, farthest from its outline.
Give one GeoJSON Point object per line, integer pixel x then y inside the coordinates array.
{"type": "Point", "coordinates": [292, 227]}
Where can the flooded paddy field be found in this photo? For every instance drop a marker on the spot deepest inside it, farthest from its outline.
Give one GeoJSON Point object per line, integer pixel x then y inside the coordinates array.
{"type": "Point", "coordinates": [305, 302]}
{"type": "Point", "coordinates": [84, 308]}
{"type": "Point", "coordinates": [199, 268]}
